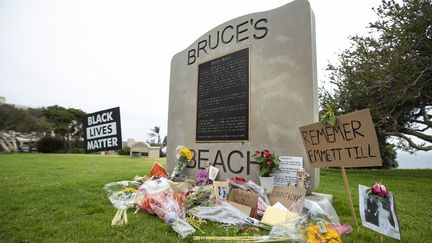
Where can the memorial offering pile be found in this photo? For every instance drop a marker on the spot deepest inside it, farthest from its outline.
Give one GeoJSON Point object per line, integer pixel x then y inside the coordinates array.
{"type": "Point", "coordinates": [187, 203]}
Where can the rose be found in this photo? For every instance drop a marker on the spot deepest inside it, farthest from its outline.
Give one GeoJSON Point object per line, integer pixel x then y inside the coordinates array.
{"type": "Point", "coordinates": [379, 190]}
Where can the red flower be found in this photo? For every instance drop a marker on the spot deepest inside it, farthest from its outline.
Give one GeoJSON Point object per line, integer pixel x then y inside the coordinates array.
{"type": "Point", "coordinates": [239, 179]}
{"type": "Point", "coordinates": [257, 152]}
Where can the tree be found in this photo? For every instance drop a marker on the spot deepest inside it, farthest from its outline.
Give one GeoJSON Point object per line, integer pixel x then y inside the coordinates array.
{"type": "Point", "coordinates": [20, 120]}
{"type": "Point", "coordinates": [66, 122]}
{"type": "Point", "coordinates": [390, 72]}
{"type": "Point", "coordinates": [50, 144]}
{"type": "Point", "coordinates": [155, 133]}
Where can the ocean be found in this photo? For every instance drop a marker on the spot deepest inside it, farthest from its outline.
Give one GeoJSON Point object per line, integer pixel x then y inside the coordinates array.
{"type": "Point", "coordinates": [418, 160]}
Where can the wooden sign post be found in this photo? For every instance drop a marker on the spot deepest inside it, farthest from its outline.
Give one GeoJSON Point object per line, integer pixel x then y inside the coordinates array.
{"type": "Point", "coordinates": [352, 142]}
{"type": "Point", "coordinates": [347, 189]}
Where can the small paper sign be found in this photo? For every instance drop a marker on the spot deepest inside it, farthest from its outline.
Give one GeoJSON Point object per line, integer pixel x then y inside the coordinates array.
{"type": "Point", "coordinates": [213, 172]}
{"type": "Point", "coordinates": [287, 195]}
{"type": "Point", "coordinates": [289, 166]}
{"type": "Point", "coordinates": [322, 227]}
{"type": "Point", "coordinates": [245, 198]}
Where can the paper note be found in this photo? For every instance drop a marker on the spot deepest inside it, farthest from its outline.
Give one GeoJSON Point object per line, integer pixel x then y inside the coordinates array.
{"type": "Point", "coordinates": [213, 172]}
{"type": "Point", "coordinates": [274, 216]}
{"type": "Point", "coordinates": [289, 166]}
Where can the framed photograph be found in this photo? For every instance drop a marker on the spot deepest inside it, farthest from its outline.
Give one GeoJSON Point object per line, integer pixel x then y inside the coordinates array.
{"type": "Point", "coordinates": [379, 213]}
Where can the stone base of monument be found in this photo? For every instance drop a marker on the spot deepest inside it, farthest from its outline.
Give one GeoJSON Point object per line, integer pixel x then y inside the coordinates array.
{"type": "Point", "coordinates": [316, 196]}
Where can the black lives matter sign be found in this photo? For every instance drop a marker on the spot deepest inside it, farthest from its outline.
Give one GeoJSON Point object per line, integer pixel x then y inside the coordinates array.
{"type": "Point", "coordinates": [102, 130]}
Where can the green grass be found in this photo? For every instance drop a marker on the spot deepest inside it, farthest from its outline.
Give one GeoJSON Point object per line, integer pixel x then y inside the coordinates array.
{"type": "Point", "coordinates": [59, 198]}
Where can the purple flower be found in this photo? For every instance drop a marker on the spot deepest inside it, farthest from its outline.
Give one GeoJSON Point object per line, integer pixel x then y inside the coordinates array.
{"type": "Point", "coordinates": [202, 177]}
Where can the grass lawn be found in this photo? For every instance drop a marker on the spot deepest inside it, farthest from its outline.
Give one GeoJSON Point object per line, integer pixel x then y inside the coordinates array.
{"type": "Point", "coordinates": [59, 198]}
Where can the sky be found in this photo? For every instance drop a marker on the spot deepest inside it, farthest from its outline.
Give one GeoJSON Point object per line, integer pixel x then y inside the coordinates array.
{"type": "Point", "coordinates": [97, 54]}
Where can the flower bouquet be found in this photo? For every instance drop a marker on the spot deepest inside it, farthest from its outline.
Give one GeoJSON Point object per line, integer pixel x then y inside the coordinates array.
{"type": "Point", "coordinates": [202, 177]}
{"type": "Point", "coordinates": [268, 162]}
{"type": "Point", "coordinates": [122, 195]}
{"type": "Point", "coordinates": [184, 157]}
{"type": "Point", "coordinates": [322, 234]}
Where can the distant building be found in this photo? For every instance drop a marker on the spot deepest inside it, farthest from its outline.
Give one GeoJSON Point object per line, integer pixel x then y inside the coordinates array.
{"type": "Point", "coordinates": [138, 149]}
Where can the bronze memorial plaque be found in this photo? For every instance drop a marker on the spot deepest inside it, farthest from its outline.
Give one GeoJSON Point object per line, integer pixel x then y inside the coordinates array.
{"type": "Point", "coordinates": [223, 98]}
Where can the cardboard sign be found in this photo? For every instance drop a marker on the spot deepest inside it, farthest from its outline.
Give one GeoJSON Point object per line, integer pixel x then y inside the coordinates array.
{"type": "Point", "coordinates": [352, 142]}
{"type": "Point", "coordinates": [287, 195]}
{"type": "Point", "coordinates": [242, 208]}
{"type": "Point", "coordinates": [102, 130]}
{"type": "Point", "coordinates": [289, 166]}
{"type": "Point", "coordinates": [245, 198]}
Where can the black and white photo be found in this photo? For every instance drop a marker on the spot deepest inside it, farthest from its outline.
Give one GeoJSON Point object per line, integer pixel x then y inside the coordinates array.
{"type": "Point", "coordinates": [379, 213]}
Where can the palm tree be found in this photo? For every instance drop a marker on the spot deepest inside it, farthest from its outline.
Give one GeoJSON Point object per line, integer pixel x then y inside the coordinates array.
{"type": "Point", "coordinates": [155, 132]}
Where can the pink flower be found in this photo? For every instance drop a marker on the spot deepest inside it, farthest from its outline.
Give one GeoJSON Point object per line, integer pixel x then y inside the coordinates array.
{"type": "Point", "coordinates": [379, 190]}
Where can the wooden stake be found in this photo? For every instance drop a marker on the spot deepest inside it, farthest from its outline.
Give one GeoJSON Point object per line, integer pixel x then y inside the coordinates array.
{"type": "Point", "coordinates": [347, 189]}
{"type": "Point", "coordinates": [382, 238]}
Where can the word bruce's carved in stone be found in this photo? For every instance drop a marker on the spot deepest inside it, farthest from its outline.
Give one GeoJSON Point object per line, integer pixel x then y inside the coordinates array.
{"type": "Point", "coordinates": [256, 29]}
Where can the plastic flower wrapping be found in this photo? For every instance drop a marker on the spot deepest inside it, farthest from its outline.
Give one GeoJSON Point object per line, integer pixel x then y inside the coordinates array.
{"type": "Point", "coordinates": [200, 195]}
{"type": "Point", "coordinates": [177, 203]}
{"type": "Point", "coordinates": [158, 199]}
{"type": "Point", "coordinates": [122, 195]}
{"type": "Point", "coordinates": [184, 157]}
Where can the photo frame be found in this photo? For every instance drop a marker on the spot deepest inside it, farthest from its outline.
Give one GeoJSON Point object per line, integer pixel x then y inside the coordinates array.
{"type": "Point", "coordinates": [379, 213]}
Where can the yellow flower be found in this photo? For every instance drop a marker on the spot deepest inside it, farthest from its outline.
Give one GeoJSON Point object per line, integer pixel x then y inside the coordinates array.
{"type": "Point", "coordinates": [129, 190]}
{"type": "Point", "coordinates": [185, 152]}
{"type": "Point", "coordinates": [314, 235]}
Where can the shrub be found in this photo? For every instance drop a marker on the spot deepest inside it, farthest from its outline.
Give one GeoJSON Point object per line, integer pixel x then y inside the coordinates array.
{"type": "Point", "coordinates": [50, 145]}
{"type": "Point", "coordinates": [124, 151]}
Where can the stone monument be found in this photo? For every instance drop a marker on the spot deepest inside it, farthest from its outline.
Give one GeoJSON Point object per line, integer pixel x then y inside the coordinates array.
{"type": "Point", "coordinates": [246, 85]}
